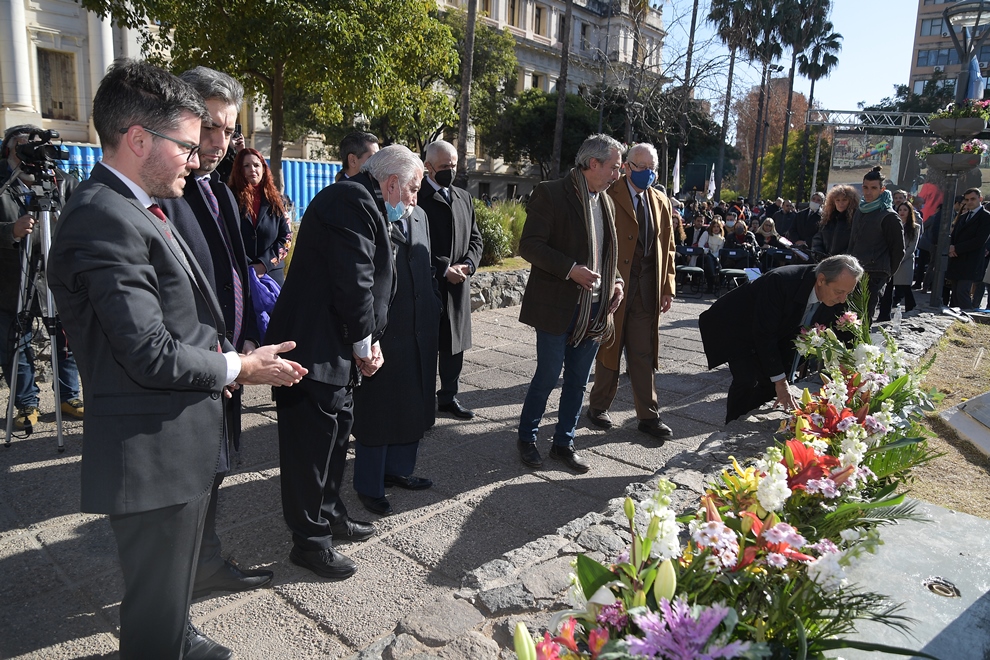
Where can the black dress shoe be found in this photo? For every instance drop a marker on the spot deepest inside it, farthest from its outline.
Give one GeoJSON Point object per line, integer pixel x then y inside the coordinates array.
{"type": "Point", "coordinates": [600, 418]}
{"type": "Point", "coordinates": [456, 409]}
{"type": "Point", "coordinates": [352, 530]}
{"type": "Point", "coordinates": [232, 578]}
{"type": "Point", "coordinates": [656, 428]}
{"type": "Point", "coordinates": [377, 505]}
{"type": "Point", "coordinates": [409, 483]}
{"type": "Point", "coordinates": [326, 563]}
{"type": "Point", "coordinates": [570, 458]}
{"type": "Point", "coordinates": [529, 454]}
{"type": "Point", "coordinates": [201, 647]}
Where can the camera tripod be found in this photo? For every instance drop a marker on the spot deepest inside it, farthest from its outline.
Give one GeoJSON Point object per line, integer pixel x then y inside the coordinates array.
{"type": "Point", "coordinates": [34, 259]}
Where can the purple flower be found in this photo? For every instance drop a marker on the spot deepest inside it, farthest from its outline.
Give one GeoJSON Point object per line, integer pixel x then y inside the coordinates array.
{"type": "Point", "coordinates": [613, 615]}
{"type": "Point", "coordinates": [681, 633]}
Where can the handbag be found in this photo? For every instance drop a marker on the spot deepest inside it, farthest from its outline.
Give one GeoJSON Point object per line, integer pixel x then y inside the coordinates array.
{"type": "Point", "coordinates": [264, 293]}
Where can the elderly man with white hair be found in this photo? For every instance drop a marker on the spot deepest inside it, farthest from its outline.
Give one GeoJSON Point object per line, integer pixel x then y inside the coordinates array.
{"type": "Point", "coordinates": [645, 235]}
{"type": "Point", "coordinates": [335, 305]}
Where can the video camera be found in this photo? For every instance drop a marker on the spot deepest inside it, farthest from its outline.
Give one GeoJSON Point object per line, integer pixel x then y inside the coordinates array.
{"type": "Point", "coordinates": [39, 154]}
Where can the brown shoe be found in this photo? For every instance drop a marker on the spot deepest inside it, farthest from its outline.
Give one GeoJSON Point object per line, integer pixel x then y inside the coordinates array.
{"type": "Point", "coordinates": [599, 418]}
{"type": "Point", "coordinates": [73, 408]}
{"type": "Point", "coordinates": [656, 428]}
{"type": "Point", "coordinates": [26, 418]}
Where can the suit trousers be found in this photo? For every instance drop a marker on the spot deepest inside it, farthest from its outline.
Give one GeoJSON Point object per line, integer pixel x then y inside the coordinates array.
{"type": "Point", "coordinates": [878, 281]}
{"type": "Point", "coordinates": [210, 560]}
{"type": "Point", "coordinates": [750, 387]}
{"type": "Point", "coordinates": [450, 364]}
{"type": "Point", "coordinates": [371, 464]}
{"type": "Point", "coordinates": [314, 425]}
{"type": "Point", "coordinates": [637, 342]}
{"type": "Point", "coordinates": [158, 552]}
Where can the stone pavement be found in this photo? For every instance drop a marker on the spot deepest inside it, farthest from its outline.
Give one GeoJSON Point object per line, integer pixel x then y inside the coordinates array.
{"type": "Point", "coordinates": [419, 590]}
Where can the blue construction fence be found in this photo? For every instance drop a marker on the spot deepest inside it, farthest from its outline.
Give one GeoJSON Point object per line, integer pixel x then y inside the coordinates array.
{"type": "Point", "coordinates": [303, 178]}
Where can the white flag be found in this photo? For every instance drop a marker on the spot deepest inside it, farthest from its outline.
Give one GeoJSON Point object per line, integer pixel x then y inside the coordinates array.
{"type": "Point", "coordinates": [711, 184]}
{"type": "Point", "coordinates": [677, 174]}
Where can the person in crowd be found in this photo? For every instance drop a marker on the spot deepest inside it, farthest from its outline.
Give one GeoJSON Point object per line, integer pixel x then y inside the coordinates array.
{"type": "Point", "coordinates": [784, 218]}
{"type": "Point", "coordinates": [226, 165]}
{"type": "Point", "coordinates": [136, 303]}
{"type": "Point", "coordinates": [394, 407]}
{"type": "Point", "coordinates": [836, 224]}
{"type": "Point", "coordinates": [930, 195]}
{"type": "Point", "coordinates": [206, 217]}
{"type": "Point", "coordinates": [876, 239]}
{"type": "Point", "coordinates": [771, 209]}
{"type": "Point", "coordinates": [573, 290]}
{"type": "Point", "coordinates": [335, 301]}
{"type": "Point", "coordinates": [900, 197]}
{"type": "Point", "coordinates": [680, 236]}
{"type": "Point", "coordinates": [457, 247]}
{"type": "Point", "coordinates": [807, 221]}
{"type": "Point", "coordinates": [16, 226]}
{"type": "Point", "coordinates": [928, 248]}
{"type": "Point", "coordinates": [766, 234]}
{"type": "Point", "coordinates": [355, 150]}
{"type": "Point", "coordinates": [646, 265]}
{"type": "Point", "coordinates": [712, 241]}
{"type": "Point", "coordinates": [739, 238]}
{"type": "Point", "coordinates": [904, 276]}
{"type": "Point", "coordinates": [264, 220]}
{"type": "Point", "coordinates": [980, 288]}
{"type": "Point", "coordinates": [967, 240]}
{"type": "Point", "coordinates": [754, 226]}
{"type": "Point", "coordinates": [769, 312]}
{"type": "Point", "coordinates": [696, 230]}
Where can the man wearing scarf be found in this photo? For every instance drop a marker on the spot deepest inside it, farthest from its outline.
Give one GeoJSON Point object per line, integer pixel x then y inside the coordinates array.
{"type": "Point", "coordinates": [573, 289]}
{"type": "Point", "coordinates": [877, 237]}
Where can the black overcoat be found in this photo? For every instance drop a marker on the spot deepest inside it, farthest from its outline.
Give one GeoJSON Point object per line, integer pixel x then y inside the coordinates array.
{"type": "Point", "coordinates": [969, 238]}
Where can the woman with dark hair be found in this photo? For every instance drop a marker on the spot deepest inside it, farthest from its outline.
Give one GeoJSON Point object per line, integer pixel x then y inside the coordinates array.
{"type": "Point", "coordinates": [877, 238]}
{"type": "Point", "coordinates": [904, 276]}
{"type": "Point", "coordinates": [836, 224]}
{"type": "Point", "coordinates": [264, 219]}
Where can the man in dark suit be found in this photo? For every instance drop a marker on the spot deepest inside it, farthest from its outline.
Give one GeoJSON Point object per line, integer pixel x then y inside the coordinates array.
{"type": "Point", "coordinates": [153, 354]}
{"type": "Point", "coordinates": [806, 222]}
{"type": "Point", "coordinates": [645, 237]}
{"type": "Point", "coordinates": [967, 239]}
{"type": "Point", "coordinates": [753, 327]}
{"type": "Point", "coordinates": [457, 245]}
{"type": "Point", "coordinates": [335, 300]}
{"type": "Point", "coordinates": [573, 289]}
{"type": "Point", "coordinates": [355, 150]}
{"type": "Point", "coordinates": [206, 216]}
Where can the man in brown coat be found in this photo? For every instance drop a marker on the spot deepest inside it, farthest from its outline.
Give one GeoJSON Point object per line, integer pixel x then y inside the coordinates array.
{"type": "Point", "coordinates": [573, 290]}
{"type": "Point", "coordinates": [646, 262]}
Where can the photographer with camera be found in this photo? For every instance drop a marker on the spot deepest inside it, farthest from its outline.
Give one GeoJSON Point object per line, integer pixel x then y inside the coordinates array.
{"type": "Point", "coordinates": [21, 154]}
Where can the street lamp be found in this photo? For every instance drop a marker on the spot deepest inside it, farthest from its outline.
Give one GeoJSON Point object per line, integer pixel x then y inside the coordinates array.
{"type": "Point", "coordinates": [966, 17]}
{"type": "Point", "coordinates": [773, 68]}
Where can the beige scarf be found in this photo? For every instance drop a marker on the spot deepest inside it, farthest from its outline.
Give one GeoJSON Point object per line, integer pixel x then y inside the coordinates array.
{"type": "Point", "coordinates": [600, 328]}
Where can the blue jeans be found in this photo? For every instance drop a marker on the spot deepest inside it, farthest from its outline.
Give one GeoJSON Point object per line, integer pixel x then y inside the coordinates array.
{"type": "Point", "coordinates": [27, 394]}
{"type": "Point", "coordinates": [552, 353]}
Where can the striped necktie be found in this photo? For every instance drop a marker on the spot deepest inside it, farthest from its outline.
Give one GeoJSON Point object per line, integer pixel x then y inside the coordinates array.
{"type": "Point", "coordinates": [214, 206]}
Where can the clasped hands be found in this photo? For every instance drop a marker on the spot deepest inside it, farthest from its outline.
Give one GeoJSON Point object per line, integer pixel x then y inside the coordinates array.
{"type": "Point", "coordinates": [458, 273]}
{"type": "Point", "coordinates": [369, 365]}
{"type": "Point", "coordinates": [263, 366]}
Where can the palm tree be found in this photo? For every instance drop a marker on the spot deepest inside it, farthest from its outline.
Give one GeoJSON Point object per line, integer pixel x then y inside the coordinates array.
{"type": "Point", "coordinates": [765, 48]}
{"type": "Point", "coordinates": [731, 19]}
{"type": "Point", "coordinates": [801, 22]}
{"type": "Point", "coordinates": [815, 63]}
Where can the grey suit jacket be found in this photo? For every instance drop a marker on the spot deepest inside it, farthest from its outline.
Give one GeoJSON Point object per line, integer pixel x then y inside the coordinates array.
{"type": "Point", "coordinates": [145, 327]}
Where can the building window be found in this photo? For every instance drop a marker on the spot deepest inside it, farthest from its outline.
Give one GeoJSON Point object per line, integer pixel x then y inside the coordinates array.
{"type": "Point", "coordinates": [561, 37]}
{"type": "Point", "coordinates": [486, 7]}
{"type": "Point", "coordinates": [510, 191]}
{"type": "Point", "coordinates": [919, 87]}
{"type": "Point", "coordinates": [538, 20]}
{"type": "Point", "coordinates": [537, 81]}
{"type": "Point", "coordinates": [938, 57]}
{"type": "Point", "coordinates": [932, 27]}
{"type": "Point", "coordinates": [585, 41]}
{"type": "Point", "coordinates": [513, 16]}
{"type": "Point", "coordinates": [484, 188]}
{"type": "Point", "coordinates": [57, 81]}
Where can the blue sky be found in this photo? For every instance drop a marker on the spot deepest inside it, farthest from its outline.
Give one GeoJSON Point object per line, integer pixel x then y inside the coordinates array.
{"type": "Point", "coordinates": [876, 51]}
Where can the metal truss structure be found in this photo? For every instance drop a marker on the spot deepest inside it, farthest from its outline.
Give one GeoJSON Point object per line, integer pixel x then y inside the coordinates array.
{"type": "Point", "coordinates": [867, 121]}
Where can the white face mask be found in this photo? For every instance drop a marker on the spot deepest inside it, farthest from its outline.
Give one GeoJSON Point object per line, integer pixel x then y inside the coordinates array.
{"type": "Point", "coordinates": [730, 223]}
{"type": "Point", "coordinates": [814, 206]}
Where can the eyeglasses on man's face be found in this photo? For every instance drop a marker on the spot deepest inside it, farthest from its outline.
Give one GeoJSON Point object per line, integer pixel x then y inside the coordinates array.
{"type": "Point", "coordinates": [192, 147]}
{"type": "Point", "coordinates": [640, 167]}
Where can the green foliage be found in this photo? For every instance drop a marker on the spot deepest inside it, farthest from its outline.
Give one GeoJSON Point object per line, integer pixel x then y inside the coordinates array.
{"type": "Point", "coordinates": [525, 128]}
{"type": "Point", "coordinates": [792, 169]}
{"type": "Point", "coordinates": [498, 242]}
{"type": "Point", "coordinates": [513, 216]}
{"type": "Point", "coordinates": [935, 96]}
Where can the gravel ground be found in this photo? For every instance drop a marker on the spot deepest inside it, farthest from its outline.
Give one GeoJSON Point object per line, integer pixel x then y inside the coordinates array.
{"type": "Point", "coordinates": [960, 478]}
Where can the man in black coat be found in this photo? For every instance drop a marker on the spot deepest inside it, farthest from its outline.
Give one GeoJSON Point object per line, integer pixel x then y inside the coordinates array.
{"type": "Point", "coordinates": [206, 216]}
{"type": "Point", "coordinates": [806, 222]}
{"type": "Point", "coordinates": [457, 245]}
{"type": "Point", "coordinates": [969, 234]}
{"type": "Point", "coordinates": [765, 316]}
{"type": "Point", "coordinates": [335, 300]}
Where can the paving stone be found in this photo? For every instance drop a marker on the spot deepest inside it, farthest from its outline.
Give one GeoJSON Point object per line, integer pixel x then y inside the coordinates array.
{"type": "Point", "coordinates": [505, 600]}
{"type": "Point", "coordinates": [487, 574]}
{"type": "Point", "coordinates": [405, 647]}
{"type": "Point", "coordinates": [599, 538]}
{"type": "Point", "coordinates": [472, 645]}
{"type": "Point", "coordinates": [441, 622]}
{"type": "Point", "coordinates": [548, 579]}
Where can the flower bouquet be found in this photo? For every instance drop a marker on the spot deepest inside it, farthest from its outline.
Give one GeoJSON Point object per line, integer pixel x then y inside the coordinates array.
{"type": "Point", "coordinates": [960, 120]}
{"type": "Point", "coordinates": [970, 108]}
{"type": "Point", "coordinates": [973, 147]}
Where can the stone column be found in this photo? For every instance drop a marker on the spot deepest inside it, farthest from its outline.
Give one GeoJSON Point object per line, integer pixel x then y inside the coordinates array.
{"type": "Point", "coordinates": [100, 58]}
{"type": "Point", "coordinates": [16, 101]}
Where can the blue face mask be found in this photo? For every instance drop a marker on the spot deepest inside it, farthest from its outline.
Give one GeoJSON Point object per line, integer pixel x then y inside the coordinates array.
{"type": "Point", "coordinates": [643, 179]}
{"type": "Point", "coordinates": [395, 213]}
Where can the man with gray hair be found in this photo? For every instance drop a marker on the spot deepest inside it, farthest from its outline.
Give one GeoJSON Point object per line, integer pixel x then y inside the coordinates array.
{"type": "Point", "coordinates": [335, 301]}
{"type": "Point", "coordinates": [646, 263]}
{"type": "Point", "coordinates": [765, 317]}
{"type": "Point", "coordinates": [208, 219]}
{"type": "Point", "coordinates": [573, 290]}
{"type": "Point", "coordinates": [456, 247]}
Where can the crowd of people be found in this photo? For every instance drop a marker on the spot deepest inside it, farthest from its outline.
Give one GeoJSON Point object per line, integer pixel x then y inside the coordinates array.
{"type": "Point", "coordinates": [159, 263]}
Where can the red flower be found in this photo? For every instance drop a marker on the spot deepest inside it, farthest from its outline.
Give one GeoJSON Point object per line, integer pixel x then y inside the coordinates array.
{"type": "Point", "coordinates": [547, 649]}
{"type": "Point", "coordinates": [597, 638]}
{"type": "Point", "coordinates": [566, 637]}
{"type": "Point", "coordinates": [803, 464]}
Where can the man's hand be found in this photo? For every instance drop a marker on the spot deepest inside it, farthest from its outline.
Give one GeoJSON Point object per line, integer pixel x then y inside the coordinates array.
{"type": "Point", "coordinates": [785, 398]}
{"type": "Point", "coordinates": [583, 277]}
{"type": "Point", "coordinates": [458, 273]}
{"type": "Point", "coordinates": [263, 366]}
{"type": "Point", "coordinates": [665, 302]}
{"type": "Point", "coordinates": [617, 293]}
{"type": "Point", "coordinates": [952, 250]}
{"type": "Point", "coordinates": [369, 365]}
{"type": "Point", "coordinates": [237, 142]}
{"type": "Point", "coordinates": [259, 269]}
{"type": "Point", "coordinates": [23, 226]}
